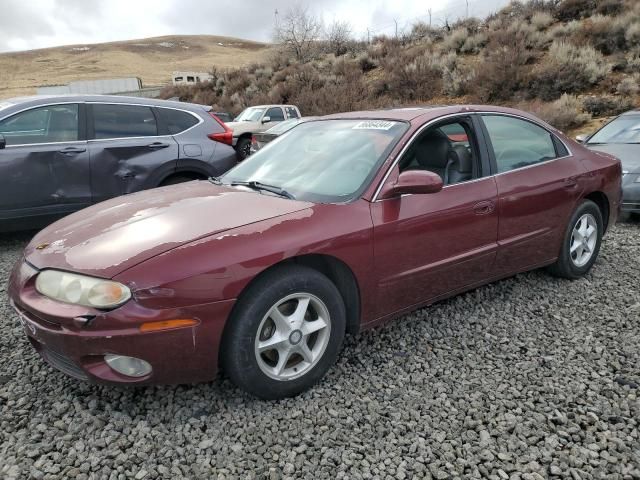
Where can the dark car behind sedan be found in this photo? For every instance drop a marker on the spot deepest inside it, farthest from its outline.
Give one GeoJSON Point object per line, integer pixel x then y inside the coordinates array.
{"type": "Point", "coordinates": [621, 138]}
{"type": "Point", "coordinates": [59, 154]}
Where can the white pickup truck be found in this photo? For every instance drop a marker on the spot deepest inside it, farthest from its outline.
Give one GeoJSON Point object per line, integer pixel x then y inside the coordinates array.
{"type": "Point", "coordinates": [256, 120]}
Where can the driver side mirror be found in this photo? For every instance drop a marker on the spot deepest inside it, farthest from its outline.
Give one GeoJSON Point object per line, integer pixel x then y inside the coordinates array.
{"type": "Point", "coordinates": [3, 142]}
{"type": "Point", "coordinates": [582, 138]}
{"type": "Point", "coordinates": [266, 119]}
{"type": "Point", "coordinates": [414, 182]}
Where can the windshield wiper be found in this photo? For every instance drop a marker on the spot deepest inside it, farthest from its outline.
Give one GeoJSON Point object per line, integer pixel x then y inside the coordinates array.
{"type": "Point", "coordinates": [263, 186]}
{"type": "Point", "coordinates": [215, 180]}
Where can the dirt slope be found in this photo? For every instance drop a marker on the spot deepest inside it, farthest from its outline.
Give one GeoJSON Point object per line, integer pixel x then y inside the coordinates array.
{"type": "Point", "coordinates": [151, 59]}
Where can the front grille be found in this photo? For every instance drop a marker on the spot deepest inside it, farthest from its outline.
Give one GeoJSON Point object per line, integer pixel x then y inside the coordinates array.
{"type": "Point", "coordinates": [63, 363]}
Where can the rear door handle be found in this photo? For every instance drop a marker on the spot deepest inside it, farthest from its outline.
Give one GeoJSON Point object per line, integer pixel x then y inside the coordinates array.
{"type": "Point", "coordinates": [484, 208]}
{"type": "Point", "coordinates": [158, 145]}
{"type": "Point", "coordinates": [72, 150]}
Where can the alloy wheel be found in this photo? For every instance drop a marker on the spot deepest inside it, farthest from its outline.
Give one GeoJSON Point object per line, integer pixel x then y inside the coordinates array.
{"type": "Point", "coordinates": [292, 336]}
{"type": "Point", "coordinates": [583, 240]}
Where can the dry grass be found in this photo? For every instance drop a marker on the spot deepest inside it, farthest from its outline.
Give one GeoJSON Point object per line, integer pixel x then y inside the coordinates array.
{"type": "Point", "coordinates": [151, 59]}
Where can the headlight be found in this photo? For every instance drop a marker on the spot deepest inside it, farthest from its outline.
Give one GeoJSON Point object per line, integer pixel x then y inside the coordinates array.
{"type": "Point", "coordinates": [81, 290]}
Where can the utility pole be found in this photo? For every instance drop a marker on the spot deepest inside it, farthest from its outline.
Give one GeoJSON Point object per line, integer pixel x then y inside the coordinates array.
{"type": "Point", "coordinates": [467, 8]}
{"type": "Point", "coordinates": [429, 18]}
{"type": "Point", "coordinates": [276, 17]}
{"type": "Point", "coordinates": [396, 22]}
{"type": "Point", "coordinates": [368, 37]}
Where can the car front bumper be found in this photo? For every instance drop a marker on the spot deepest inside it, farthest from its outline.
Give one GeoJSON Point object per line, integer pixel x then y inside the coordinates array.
{"type": "Point", "coordinates": [180, 355]}
{"type": "Point", "coordinates": [631, 193]}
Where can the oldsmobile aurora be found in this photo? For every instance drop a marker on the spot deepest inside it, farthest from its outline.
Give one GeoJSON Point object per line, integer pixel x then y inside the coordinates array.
{"type": "Point", "coordinates": [340, 225]}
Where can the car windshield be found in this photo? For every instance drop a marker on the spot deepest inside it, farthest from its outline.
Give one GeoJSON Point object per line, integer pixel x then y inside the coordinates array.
{"type": "Point", "coordinates": [324, 161]}
{"type": "Point", "coordinates": [285, 126]}
{"type": "Point", "coordinates": [251, 114]}
{"type": "Point", "coordinates": [625, 129]}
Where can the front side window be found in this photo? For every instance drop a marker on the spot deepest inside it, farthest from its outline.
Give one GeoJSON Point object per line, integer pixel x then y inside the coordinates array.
{"type": "Point", "coordinates": [448, 150]}
{"type": "Point", "coordinates": [177, 121]}
{"type": "Point", "coordinates": [625, 129]}
{"type": "Point", "coordinates": [50, 124]}
{"type": "Point", "coordinates": [323, 161]}
{"type": "Point", "coordinates": [123, 121]}
{"type": "Point", "coordinates": [275, 114]}
{"type": "Point", "coordinates": [518, 143]}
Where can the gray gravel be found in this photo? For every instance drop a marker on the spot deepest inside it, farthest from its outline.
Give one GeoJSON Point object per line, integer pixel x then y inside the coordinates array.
{"type": "Point", "coordinates": [528, 378]}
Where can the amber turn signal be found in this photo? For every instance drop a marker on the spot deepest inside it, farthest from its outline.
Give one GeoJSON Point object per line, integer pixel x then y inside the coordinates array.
{"type": "Point", "coordinates": [167, 324]}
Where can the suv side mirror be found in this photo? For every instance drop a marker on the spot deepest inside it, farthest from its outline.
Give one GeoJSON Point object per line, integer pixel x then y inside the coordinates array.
{"type": "Point", "coordinates": [414, 182]}
{"type": "Point", "coordinates": [3, 142]}
{"type": "Point", "coordinates": [266, 119]}
{"type": "Point", "coordinates": [582, 138]}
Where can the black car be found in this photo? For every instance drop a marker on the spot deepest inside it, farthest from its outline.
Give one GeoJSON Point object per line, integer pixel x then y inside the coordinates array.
{"type": "Point", "coordinates": [621, 138]}
{"type": "Point", "coordinates": [59, 154]}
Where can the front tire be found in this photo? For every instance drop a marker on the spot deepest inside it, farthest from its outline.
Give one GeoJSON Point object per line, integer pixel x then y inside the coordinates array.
{"type": "Point", "coordinates": [243, 148]}
{"type": "Point", "coordinates": [285, 333]}
{"type": "Point", "coordinates": [581, 244]}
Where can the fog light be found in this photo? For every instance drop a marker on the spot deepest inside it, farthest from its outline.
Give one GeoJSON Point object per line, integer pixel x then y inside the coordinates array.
{"type": "Point", "coordinates": [130, 366]}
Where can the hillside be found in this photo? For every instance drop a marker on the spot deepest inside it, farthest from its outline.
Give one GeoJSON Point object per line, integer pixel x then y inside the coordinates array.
{"type": "Point", "coordinates": [572, 62]}
{"type": "Point", "coordinates": [151, 59]}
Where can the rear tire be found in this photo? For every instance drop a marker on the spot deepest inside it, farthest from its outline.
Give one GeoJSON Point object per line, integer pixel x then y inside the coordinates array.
{"type": "Point", "coordinates": [581, 243]}
{"type": "Point", "coordinates": [284, 334]}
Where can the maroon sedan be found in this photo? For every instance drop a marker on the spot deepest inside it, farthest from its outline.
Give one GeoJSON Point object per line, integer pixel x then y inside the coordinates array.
{"type": "Point", "coordinates": [340, 225]}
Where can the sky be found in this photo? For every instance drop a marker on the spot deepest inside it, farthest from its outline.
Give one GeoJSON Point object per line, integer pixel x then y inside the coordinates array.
{"type": "Point", "coordinates": [31, 24]}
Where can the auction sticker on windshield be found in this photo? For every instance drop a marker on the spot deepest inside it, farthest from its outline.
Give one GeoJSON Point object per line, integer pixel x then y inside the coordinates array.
{"type": "Point", "coordinates": [374, 125]}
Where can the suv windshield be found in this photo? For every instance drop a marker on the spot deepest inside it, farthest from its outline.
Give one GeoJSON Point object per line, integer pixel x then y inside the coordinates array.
{"type": "Point", "coordinates": [625, 129]}
{"type": "Point", "coordinates": [323, 161]}
{"type": "Point", "coordinates": [251, 114]}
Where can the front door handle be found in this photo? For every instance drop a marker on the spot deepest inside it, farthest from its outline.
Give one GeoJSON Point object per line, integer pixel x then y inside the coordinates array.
{"type": "Point", "coordinates": [484, 208]}
{"type": "Point", "coordinates": [72, 150]}
{"type": "Point", "coordinates": [570, 182]}
{"type": "Point", "coordinates": [158, 145]}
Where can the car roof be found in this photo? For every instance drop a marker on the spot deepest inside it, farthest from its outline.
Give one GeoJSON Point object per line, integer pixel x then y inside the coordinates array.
{"type": "Point", "coordinates": [424, 113]}
{"type": "Point", "coordinates": [36, 100]}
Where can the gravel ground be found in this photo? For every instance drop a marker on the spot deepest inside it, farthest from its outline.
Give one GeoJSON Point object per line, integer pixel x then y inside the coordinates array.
{"type": "Point", "coordinates": [529, 378]}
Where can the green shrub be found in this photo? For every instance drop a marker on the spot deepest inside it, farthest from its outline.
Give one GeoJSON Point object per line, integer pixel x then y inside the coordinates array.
{"type": "Point", "coordinates": [541, 20]}
{"type": "Point", "coordinates": [569, 10]}
{"type": "Point", "coordinates": [567, 69]}
{"type": "Point", "coordinates": [565, 113]}
{"type": "Point", "coordinates": [607, 106]}
{"type": "Point", "coordinates": [605, 33]}
{"type": "Point", "coordinates": [629, 86]}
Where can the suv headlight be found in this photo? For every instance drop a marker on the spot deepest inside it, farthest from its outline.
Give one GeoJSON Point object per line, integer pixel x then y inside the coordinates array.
{"type": "Point", "coordinates": [81, 290]}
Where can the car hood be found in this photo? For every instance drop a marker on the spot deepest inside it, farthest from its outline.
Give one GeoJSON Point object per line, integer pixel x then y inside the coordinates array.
{"type": "Point", "coordinates": [629, 154]}
{"type": "Point", "coordinates": [110, 237]}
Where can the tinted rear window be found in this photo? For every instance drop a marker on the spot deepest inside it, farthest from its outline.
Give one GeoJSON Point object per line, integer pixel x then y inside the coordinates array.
{"type": "Point", "coordinates": [121, 121]}
{"type": "Point", "coordinates": [177, 121]}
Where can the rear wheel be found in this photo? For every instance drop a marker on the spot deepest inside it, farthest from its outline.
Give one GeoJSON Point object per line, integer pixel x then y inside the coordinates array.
{"type": "Point", "coordinates": [285, 333]}
{"type": "Point", "coordinates": [581, 244]}
{"type": "Point", "coordinates": [243, 148]}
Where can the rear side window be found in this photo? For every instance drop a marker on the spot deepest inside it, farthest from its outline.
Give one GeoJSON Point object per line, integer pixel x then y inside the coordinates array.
{"type": "Point", "coordinates": [291, 112]}
{"type": "Point", "coordinates": [177, 121]}
{"type": "Point", "coordinates": [123, 121]}
{"type": "Point", "coordinates": [50, 124]}
{"type": "Point", "coordinates": [275, 114]}
{"type": "Point", "coordinates": [518, 143]}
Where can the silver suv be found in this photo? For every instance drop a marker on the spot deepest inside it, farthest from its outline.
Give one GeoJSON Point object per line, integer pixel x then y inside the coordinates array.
{"type": "Point", "coordinates": [59, 154]}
